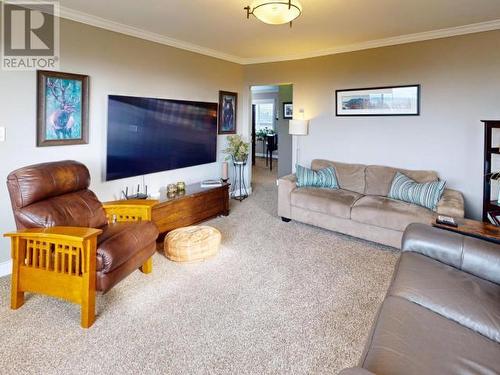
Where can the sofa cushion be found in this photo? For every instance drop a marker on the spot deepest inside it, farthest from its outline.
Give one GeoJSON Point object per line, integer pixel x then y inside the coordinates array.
{"type": "Point", "coordinates": [350, 176]}
{"type": "Point", "coordinates": [323, 178]}
{"type": "Point", "coordinates": [332, 202]}
{"type": "Point", "coordinates": [38, 182]}
{"type": "Point", "coordinates": [379, 178]}
{"type": "Point", "coordinates": [456, 295]}
{"type": "Point", "coordinates": [121, 241]}
{"type": "Point", "coordinates": [426, 194]}
{"type": "Point", "coordinates": [412, 340]}
{"type": "Point", "coordinates": [77, 209]}
{"type": "Point", "coordinates": [389, 213]}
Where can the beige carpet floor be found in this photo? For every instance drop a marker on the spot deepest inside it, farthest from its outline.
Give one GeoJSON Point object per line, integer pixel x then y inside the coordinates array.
{"type": "Point", "coordinates": [280, 298]}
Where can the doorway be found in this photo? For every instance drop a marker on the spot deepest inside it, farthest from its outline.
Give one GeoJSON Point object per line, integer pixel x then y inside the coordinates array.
{"type": "Point", "coordinates": [271, 143]}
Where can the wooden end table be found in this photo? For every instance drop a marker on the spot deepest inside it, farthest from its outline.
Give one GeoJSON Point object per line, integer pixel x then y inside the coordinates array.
{"type": "Point", "coordinates": [473, 228]}
{"type": "Point", "coordinates": [194, 205]}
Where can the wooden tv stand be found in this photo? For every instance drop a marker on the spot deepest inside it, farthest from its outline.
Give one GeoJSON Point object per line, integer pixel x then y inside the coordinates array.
{"type": "Point", "coordinates": [195, 205]}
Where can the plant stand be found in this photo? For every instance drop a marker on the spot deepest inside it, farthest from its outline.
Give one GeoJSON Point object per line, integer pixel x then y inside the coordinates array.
{"type": "Point", "coordinates": [239, 191]}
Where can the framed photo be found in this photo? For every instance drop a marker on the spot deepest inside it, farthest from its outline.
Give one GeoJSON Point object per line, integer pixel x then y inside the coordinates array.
{"type": "Point", "coordinates": [62, 108]}
{"type": "Point", "coordinates": [228, 106]}
{"type": "Point", "coordinates": [379, 101]}
{"type": "Point", "coordinates": [288, 110]}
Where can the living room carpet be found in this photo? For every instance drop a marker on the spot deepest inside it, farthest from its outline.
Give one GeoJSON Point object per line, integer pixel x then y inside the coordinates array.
{"type": "Point", "coordinates": [278, 298]}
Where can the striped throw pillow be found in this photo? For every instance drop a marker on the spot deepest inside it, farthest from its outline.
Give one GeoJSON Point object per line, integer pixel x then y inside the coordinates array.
{"type": "Point", "coordinates": [426, 194]}
{"type": "Point", "coordinates": [324, 178]}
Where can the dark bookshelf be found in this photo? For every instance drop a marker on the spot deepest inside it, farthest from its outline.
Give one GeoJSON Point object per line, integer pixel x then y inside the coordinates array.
{"type": "Point", "coordinates": [489, 205]}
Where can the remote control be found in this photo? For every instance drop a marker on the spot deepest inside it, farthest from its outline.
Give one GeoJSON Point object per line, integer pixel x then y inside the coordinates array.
{"type": "Point", "coordinates": [446, 220]}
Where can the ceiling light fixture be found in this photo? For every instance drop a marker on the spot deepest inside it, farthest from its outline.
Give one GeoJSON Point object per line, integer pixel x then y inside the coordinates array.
{"type": "Point", "coordinates": [275, 12]}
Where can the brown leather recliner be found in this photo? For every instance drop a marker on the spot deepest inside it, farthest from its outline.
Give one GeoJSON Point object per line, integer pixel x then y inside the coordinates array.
{"type": "Point", "coordinates": [56, 194]}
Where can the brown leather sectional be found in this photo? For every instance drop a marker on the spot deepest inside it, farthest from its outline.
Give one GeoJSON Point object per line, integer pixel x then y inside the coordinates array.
{"type": "Point", "coordinates": [441, 314]}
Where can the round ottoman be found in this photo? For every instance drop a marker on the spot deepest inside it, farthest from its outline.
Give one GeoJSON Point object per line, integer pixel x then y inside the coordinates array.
{"type": "Point", "coordinates": [190, 244]}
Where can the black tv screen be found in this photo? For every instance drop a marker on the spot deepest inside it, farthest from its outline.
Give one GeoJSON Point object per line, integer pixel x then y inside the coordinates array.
{"type": "Point", "coordinates": [148, 135]}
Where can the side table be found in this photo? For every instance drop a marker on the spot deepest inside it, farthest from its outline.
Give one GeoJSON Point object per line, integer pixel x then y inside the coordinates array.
{"type": "Point", "coordinates": [473, 228]}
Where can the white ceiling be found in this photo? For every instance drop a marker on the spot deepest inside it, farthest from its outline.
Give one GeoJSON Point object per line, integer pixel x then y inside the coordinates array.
{"type": "Point", "coordinates": [220, 28]}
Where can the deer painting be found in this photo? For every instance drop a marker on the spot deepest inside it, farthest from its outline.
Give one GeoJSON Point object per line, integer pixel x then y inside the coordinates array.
{"type": "Point", "coordinates": [64, 95]}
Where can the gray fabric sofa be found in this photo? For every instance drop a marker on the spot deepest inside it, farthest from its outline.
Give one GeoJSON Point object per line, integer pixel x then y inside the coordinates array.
{"type": "Point", "coordinates": [360, 207]}
{"type": "Point", "coordinates": [441, 314]}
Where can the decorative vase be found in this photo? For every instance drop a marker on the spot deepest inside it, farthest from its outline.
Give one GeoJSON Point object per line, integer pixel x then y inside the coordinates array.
{"type": "Point", "coordinates": [181, 186]}
{"type": "Point", "coordinates": [171, 188]}
{"type": "Point", "coordinates": [240, 160]}
{"type": "Point", "coordinates": [225, 171]}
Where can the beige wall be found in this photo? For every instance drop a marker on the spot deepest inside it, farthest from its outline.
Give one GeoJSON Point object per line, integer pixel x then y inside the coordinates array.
{"type": "Point", "coordinates": [460, 80]}
{"type": "Point", "coordinates": [116, 64]}
{"type": "Point", "coordinates": [285, 139]}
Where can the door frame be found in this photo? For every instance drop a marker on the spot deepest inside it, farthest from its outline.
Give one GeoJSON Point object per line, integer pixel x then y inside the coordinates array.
{"type": "Point", "coordinates": [253, 134]}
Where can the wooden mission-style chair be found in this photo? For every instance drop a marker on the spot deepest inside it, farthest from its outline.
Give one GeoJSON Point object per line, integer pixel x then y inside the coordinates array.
{"type": "Point", "coordinates": [68, 244]}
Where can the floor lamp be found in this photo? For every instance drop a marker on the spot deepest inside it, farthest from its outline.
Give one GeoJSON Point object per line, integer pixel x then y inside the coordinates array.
{"type": "Point", "coordinates": [298, 128]}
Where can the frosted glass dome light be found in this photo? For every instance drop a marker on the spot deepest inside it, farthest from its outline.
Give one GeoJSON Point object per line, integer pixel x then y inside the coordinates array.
{"type": "Point", "coordinates": [275, 12]}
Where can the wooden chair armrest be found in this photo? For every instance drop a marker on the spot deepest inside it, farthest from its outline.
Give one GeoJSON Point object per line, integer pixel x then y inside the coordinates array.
{"type": "Point", "coordinates": [61, 233]}
{"type": "Point", "coordinates": [129, 210]}
{"type": "Point", "coordinates": [132, 203]}
{"type": "Point", "coordinates": [56, 261]}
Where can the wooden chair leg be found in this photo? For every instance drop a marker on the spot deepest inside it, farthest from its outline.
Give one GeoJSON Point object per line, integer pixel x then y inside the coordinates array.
{"type": "Point", "coordinates": [88, 285]}
{"type": "Point", "coordinates": [16, 295]}
{"type": "Point", "coordinates": [147, 267]}
{"type": "Point", "coordinates": [88, 309]}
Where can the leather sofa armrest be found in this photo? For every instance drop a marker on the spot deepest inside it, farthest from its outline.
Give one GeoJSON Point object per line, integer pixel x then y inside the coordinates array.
{"type": "Point", "coordinates": [286, 185]}
{"type": "Point", "coordinates": [475, 256]}
{"type": "Point", "coordinates": [451, 203]}
{"type": "Point", "coordinates": [355, 371]}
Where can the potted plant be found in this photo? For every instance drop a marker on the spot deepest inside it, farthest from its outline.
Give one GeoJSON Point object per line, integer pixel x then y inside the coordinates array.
{"type": "Point", "coordinates": [261, 134]}
{"type": "Point", "coordinates": [237, 149]}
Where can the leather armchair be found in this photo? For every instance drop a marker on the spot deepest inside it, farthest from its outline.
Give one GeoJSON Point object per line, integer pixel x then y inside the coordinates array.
{"type": "Point", "coordinates": [68, 244]}
{"type": "Point", "coordinates": [441, 314]}
{"type": "Point", "coordinates": [472, 255]}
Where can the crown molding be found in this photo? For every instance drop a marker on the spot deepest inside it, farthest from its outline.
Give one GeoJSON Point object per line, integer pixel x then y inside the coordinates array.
{"type": "Point", "coordinates": [385, 42]}
{"type": "Point", "coordinates": [121, 28]}
{"type": "Point", "coordinates": [154, 37]}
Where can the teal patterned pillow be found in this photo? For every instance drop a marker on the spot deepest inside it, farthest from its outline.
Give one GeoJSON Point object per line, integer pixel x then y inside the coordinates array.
{"type": "Point", "coordinates": [324, 178]}
{"type": "Point", "coordinates": [426, 194]}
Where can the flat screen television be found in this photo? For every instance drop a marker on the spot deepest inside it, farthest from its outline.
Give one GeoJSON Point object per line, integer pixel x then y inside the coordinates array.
{"type": "Point", "coordinates": [147, 135]}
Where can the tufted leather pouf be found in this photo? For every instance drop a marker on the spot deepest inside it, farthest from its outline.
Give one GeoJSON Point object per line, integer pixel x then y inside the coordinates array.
{"type": "Point", "coordinates": [190, 244]}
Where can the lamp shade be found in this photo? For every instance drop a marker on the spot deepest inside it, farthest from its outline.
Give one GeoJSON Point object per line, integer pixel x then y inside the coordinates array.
{"type": "Point", "coordinates": [298, 127]}
{"type": "Point", "coordinates": [276, 12]}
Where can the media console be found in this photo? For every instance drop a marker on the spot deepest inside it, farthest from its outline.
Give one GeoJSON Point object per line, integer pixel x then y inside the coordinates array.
{"type": "Point", "coordinates": [195, 205]}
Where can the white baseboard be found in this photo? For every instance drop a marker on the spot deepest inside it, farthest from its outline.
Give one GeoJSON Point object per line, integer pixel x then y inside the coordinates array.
{"type": "Point", "coordinates": [6, 268]}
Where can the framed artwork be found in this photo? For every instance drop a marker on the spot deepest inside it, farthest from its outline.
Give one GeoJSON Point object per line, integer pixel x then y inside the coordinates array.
{"type": "Point", "coordinates": [288, 110]}
{"type": "Point", "coordinates": [62, 108]}
{"type": "Point", "coordinates": [379, 101]}
{"type": "Point", "coordinates": [228, 105]}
